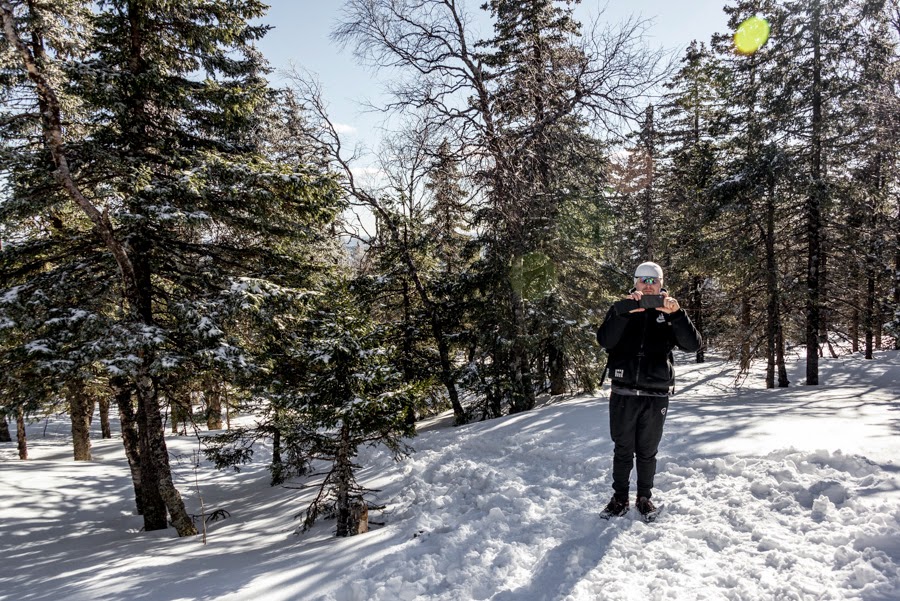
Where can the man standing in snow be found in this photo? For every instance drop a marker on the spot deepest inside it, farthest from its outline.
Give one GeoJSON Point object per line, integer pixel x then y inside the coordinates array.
{"type": "Point", "coordinates": [640, 363]}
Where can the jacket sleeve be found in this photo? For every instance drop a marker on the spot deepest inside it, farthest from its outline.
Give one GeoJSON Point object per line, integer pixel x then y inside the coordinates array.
{"type": "Point", "coordinates": [610, 331]}
{"type": "Point", "coordinates": [686, 335]}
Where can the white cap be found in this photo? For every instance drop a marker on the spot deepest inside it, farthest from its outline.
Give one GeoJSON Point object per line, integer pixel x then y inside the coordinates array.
{"type": "Point", "coordinates": [648, 269]}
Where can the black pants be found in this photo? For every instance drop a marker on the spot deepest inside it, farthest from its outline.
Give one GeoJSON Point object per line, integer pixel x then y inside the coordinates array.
{"type": "Point", "coordinates": [636, 427]}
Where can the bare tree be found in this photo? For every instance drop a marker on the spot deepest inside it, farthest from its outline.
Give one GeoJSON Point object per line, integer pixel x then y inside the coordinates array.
{"type": "Point", "coordinates": [475, 95]}
{"type": "Point", "coordinates": [326, 137]}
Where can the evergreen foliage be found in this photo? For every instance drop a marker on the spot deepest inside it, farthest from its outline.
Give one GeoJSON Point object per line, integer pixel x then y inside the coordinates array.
{"type": "Point", "coordinates": [169, 221]}
{"type": "Point", "coordinates": [169, 104]}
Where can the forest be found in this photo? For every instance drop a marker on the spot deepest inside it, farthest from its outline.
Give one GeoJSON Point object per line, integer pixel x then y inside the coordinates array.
{"type": "Point", "coordinates": [177, 247]}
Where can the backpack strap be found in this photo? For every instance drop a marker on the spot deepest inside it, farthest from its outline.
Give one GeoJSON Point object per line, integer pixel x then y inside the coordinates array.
{"type": "Point", "coordinates": [603, 375]}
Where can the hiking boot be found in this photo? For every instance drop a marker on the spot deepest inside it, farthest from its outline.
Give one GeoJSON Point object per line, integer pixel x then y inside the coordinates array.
{"type": "Point", "coordinates": [617, 506]}
{"type": "Point", "coordinates": [645, 506]}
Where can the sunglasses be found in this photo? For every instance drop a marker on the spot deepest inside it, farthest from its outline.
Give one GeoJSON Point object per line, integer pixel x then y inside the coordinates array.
{"type": "Point", "coordinates": [649, 280]}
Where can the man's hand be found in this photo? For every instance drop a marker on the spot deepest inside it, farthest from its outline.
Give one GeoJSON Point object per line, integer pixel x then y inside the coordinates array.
{"type": "Point", "coordinates": [670, 304]}
{"type": "Point", "coordinates": [636, 296]}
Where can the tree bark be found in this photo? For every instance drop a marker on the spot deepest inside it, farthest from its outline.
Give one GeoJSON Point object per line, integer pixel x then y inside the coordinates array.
{"type": "Point", "coordinates": [774, 335]}
{"type": "Point", "coordinates": [130, 436]}
{"type": "Point", "coordinates": [152, 503]}
{"type": "Point", "coordinates": [814, 211]}
{"type": "Point", "coordinates": [522, 390]}
{"type": "Point", "coordinates": [5, 436]}
{"type": "Point", "coordinates": [105, 430]}
{"type": "Point", "coordinates": [869, 311]}
{"type": "Point", "coordinates": [697, 314]}
{"type": "Point", "coordinates": [896, 275]}
{"type": "Point", "coordinates": [277, 466]}
{"type": "Point", "coordinates": [153, 447]}
{"type": "Point", "coordinates": [344, 475]}
{"type": "Point", "coordinates": [745, 329]}
{"type": "Point", "coordinates": [81, 407]}
{"type": "Point", "coordinates": [179, 413]}
{"type": "Point", "coordinates": [783, 381]}
{"type": "Point", "coordinates": [21, 441]}
{"type": "Point", "coordinates": [557, 361]}
{"type": "Point", "coordinates": [408, 342]}
{"type": "Point", "coordinates": [213, 398]}
{"type": "Point", "coordinates": [138, 297]}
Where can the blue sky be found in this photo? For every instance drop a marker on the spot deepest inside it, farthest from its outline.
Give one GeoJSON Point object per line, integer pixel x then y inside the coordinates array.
{"type": "Point", "coordinates": [302, 28]}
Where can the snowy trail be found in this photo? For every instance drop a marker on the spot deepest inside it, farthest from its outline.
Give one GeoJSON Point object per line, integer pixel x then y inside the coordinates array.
{"type": "Point", "coordinates": [787, 526]}
{"type": "Point", "coordinates": [790, 525]}
{"type": "Point", "coordinates": [787, 494]}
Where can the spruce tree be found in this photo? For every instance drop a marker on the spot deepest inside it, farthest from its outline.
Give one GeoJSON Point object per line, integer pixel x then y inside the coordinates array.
{"type": "Point", "coordinates": [521, 105]}
{"type": "Point", "coordinates": [535, 61]}
{"type": "Point", "coordinates": [812, 45]}
{"type": "Point", "coordinates": [691, 115]}
{"type": "Point", "coordinates": [352, 393]}
{"type": "Point", "coordinates": [754, 195]}
{"type": "Point", "coordinates": [168, 160]}
{"type": "Point", "coordinates": [873, 152]}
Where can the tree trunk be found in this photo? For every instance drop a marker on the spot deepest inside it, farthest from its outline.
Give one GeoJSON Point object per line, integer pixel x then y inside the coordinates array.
{"type": "Point", "coordinates": [648, 210]}
{"type": "Point", "coordinates": [522, 388]}
{"type": "Point", "coordinates": [447, 377]}
{"type": "Point", "coordinates": [814, 211]}
{"type": "Point", "coordinates": [773, 321]}
{"type": "Point", "coordinates": [105, 430]}
{"type": "Point", "coordinates": [344, 474]}
{"type": "Point", "coordinates": [81, 407]}
{"type": "Point", "coordinates": [152, 504]}
{"type": "Point", "coordinates": [153, 448]}
{"type": "Point", "coordinates": [879, 328]}
{"type": "Point", "coordinates": [406, 352]}
{"type": "Point", "coordinates": [277, 467]}
{"type": "Point", "coordinates": [783, 381]}
{"type": "Point", "coordinates": [869, 311]}
{"type": "Point", "coordinates": [5, 436]}
{"type": "Point", "coordinates": [130, 436]}
{"type": "Point", "coordinates": [697, 313]}
{"type": "Point", "coordinates": [557, 361]}
{"type": "Point", "coordinates": [22, 443]}
{"type": "Point", "coordinates": [745, 332]}
{"type": "Point", "coordinates": [180, 410]}
{"type": "Point", "coordinates": [896, 275]}
{"type": "Point", "coordinates": [213, 398]}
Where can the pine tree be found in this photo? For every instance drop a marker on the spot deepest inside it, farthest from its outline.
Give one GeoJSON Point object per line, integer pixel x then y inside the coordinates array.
{"type": "Point", "coordinates": [812, 44]}
{"type": "Point", "coordinates": [519, 104]}
{"type": "Point", "coordinates": [32, 243]}
{"type": "Point", "coordinates": [357, 394]}
{"type": "Point", "coordinates": [753, 195]}
{"type": "Point", "coordinates": [171, 168]}
{"type": "Point", "coordinates": [535, 62]}
{"type": "Point", "coordinates": [691, 118]}
{"type": "Point", "coordinates": [873, 152]}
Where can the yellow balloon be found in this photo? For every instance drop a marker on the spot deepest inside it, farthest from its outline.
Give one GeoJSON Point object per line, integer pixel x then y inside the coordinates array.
{"type": "Point", "coordinates": [751, 35]}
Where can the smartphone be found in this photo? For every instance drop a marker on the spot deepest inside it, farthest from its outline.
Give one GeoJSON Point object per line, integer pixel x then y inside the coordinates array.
{"type": "Point", "coordinates": [625, 306]}
{"type": "Point", "coordinates": [652, 301]}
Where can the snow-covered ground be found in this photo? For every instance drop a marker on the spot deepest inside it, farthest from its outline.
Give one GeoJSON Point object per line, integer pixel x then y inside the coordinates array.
{"type": "Point", "coordinates": [781, 494]}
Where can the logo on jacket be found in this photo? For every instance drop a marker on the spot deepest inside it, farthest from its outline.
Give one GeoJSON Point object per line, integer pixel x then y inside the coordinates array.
{"type": "Point", "coordinates": [663, 410]}
{"type": "Point", "coordinates": [620, 373]}
{"type": "Point", "coordinates": [660, 318]}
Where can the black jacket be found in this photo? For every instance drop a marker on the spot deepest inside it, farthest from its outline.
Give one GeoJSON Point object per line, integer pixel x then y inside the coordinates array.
{"type": "Point", "coordinates": [640, 346]}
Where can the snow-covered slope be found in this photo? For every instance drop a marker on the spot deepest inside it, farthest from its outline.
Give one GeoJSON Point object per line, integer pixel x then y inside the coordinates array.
{"type": "Point", "coordinates": [783, 494]}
